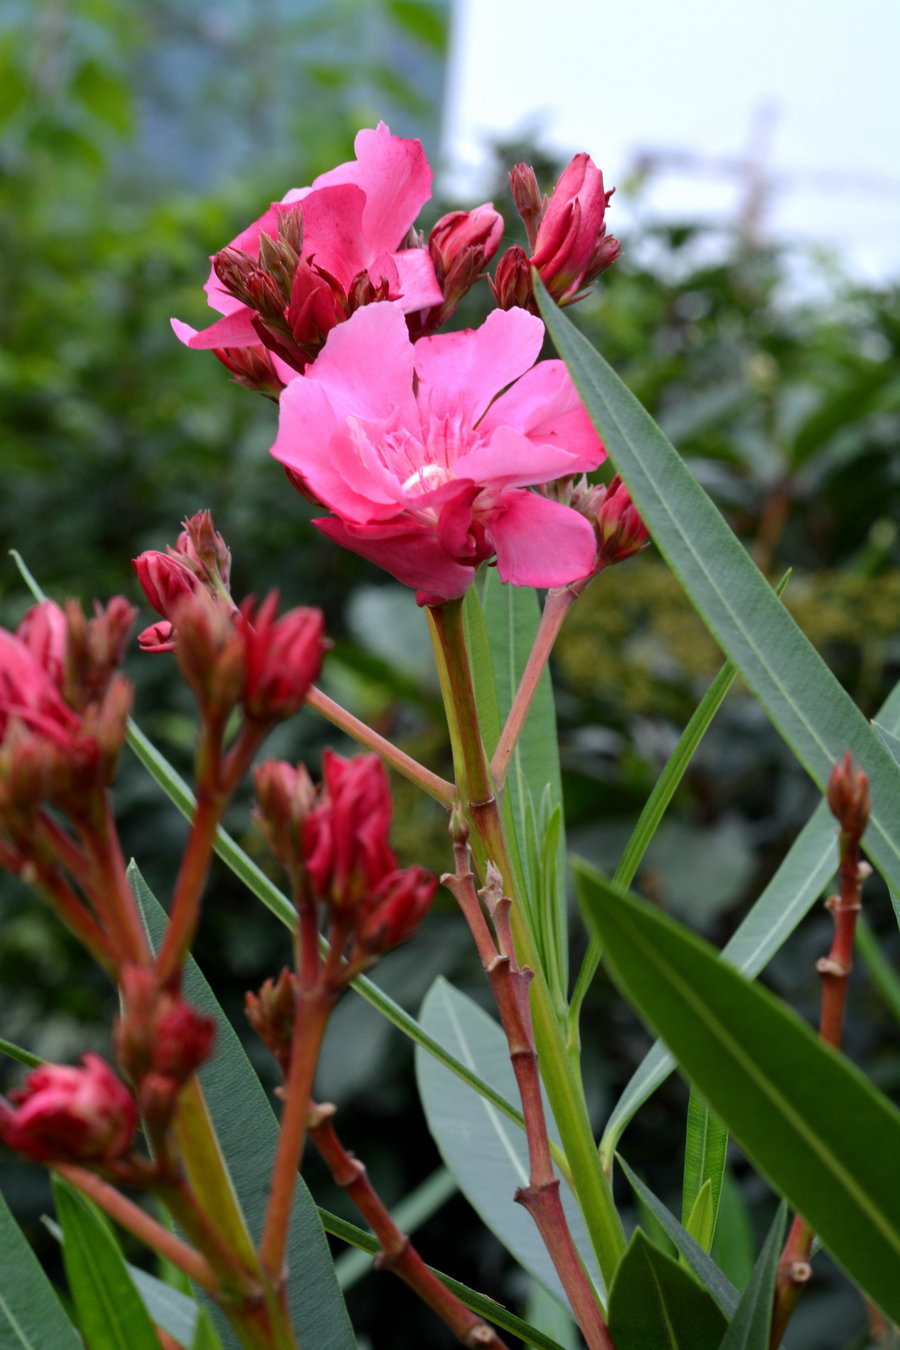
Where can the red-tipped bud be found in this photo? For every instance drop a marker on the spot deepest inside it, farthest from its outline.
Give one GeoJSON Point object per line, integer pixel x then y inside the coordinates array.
{"type": "Point", "coordinates": [345, 837]}
{"type": "Point", "coordinates": [571, 247]}
{"type": "Point", "coordinates": [271, 1015]}
{"type": "Point", "coordinates": [253, 369]}
{"type": "Point", "coordinates": [848, 797]}
{"type": "Point", "coordinates": [67, 1114]}
{"type": "Point", "coordinates": [282, 657]}
{"type": "Point", "coordinates": [285, 795]}
{"type": "Point", "coordinates": [202, 546]}
{"type": "Point", "coordinates": [530, 204]}
{"type": "Point", "coordinates": [184, 1041]}
{"type": "Point", "coordinates": [398, 907]}
{"type": "Point", "coordinates": [462, 234]}
{"type": "Point", "coordinates": [619, 529]}
{"type": "Point", "coordinates": [43, 630]}
{"type": "Point", "coordinates": [165, 579]}
{"type": "Point", "coordinates": [209, 652]}
{"type": "Point", "coordinates": [158, 1033]}
{"type": "Point", "coordinates": [512, 285]}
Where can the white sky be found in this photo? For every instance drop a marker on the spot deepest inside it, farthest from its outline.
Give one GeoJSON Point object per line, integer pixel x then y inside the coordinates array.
{"type": "Point", "coordinates": [701, 77]}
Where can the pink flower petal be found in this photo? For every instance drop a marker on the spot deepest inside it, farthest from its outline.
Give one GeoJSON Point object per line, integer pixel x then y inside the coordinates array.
{"type": "Point", "coordinates": [409, 552]}
{"type": "Point", "coordinates": [366, 366]}
{"type": "Point", "coordinates": [540, 542]}
{"type": "Point", "coordinates": [234, 330]}
{"type": "Point", "coordinates": [396, 178]}
{"type": "Point", "coordinates": [460, 373]}
{"type": "Point", "coordinates": [545, 405]}
{"type": "Point", "coordinates": [333, 231]}
{"type": "Point", "coordinates": [418, 285]}
{"type": "Point", "coordinates": [511, 459]}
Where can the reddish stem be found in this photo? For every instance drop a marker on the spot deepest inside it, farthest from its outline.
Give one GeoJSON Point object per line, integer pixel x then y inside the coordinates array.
{"type": "Point", "coordinates": [106, 883]}
{"type": "Point", "coordinates": [794, 1269]}
{"type": "Point", "coordinates": [432, 783]}
{"type": "Point", "coordinates": [397, 1252]}
{"type": "Point", "coordinates": [312, 1008]}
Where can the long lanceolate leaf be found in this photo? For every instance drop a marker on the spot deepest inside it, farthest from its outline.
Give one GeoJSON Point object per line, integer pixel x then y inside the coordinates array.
{"type": "Point", "coordinates": [805, 702]}
{"type": "Point", "coordinates": [803, 874]}
{"type": "Point", "coordinates": [31, 1315]}
{"type": "Point", "coordinates": [828, 1140]}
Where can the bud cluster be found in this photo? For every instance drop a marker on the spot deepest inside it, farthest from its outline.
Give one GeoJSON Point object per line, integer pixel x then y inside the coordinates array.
{"type": "Point", "coordinates": [68, 1114]}
{"type": "Point", "coordinates": [566, 235]}
{"type": "Point", "coordinates": [230, 656]}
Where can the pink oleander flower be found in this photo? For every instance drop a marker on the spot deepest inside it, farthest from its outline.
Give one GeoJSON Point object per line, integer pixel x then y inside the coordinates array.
{"type": "Point", "coordinates": [423, 451]}
{"type": "Point", "coordinates": [70, 1114]}
{"type": "Point", "coordinates": [312, 258]}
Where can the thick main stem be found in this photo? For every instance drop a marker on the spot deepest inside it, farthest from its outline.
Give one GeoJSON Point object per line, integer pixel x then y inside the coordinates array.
{"type": "Point", "coordinates": [479, 800]}
{"type": "Point", "coordinates": [397, 1252]}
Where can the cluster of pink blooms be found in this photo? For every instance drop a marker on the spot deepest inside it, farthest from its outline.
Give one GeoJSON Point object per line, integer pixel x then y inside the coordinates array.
{"type": "Point", "coordinates": [423, 446]}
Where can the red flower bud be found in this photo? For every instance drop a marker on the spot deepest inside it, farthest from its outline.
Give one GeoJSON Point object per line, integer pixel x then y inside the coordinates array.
{"type": "Point", "coordinates": [345, 837]}
{"type": "Point", "coordinates": [285, 796]}
{"type": "Point", "coordinates": [282, 657]}
{"type": "Point", "coordinates": [848, 797]}
{"type": "Point", "coordinates": [571, 247]}
{"type": "Point", "coordinates": [512, 285]}
{"type": "Point", "coordinates": [619, 529]}
{"type": "Point", "coordinates": [271, 1015]}
{"type": "Point", "coordinates": [69, 1114]}
{"type": "Point", "coordinates": [527, 197]}
{"type": "Point", "coordinates": [398, 907]}
{"type": "Point", "coordinates": [165, 579]}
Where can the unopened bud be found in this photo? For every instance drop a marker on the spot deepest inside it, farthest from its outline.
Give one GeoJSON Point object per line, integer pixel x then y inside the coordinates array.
{"type": "Point", "coordinates": [618, 526]}
{"type": "Point", "coordinates": [848, 797]}
{"type": "Point", "coordinates": [512, 285]}
{"type": "Point", "coordinates": [210, 654]}
{"type": "Point", "coordinates": [530, 204]}
{"type": "Point", "coordinates": [398, 907]}
{"type": "Point", "coordinates": [282, 657]}
{"type": "Point", "coordinates": [252, 368]}
{"type": "Point", "coordinates": [285, 795]}
{"type": "Point", "coordinates": [83, 1115]}
{"type": "Point", "coordinates": [271, 1015]}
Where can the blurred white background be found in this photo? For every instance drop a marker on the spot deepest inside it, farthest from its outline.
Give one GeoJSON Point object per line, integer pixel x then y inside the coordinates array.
{"type": "Point", "coordinates": [784, 113]}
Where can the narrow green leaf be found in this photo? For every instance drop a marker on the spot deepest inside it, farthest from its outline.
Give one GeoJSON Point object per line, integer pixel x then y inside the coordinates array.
{"type": "Point", "coordinates": [701, 1220]}
{"type": "Point", "coordinates": [111, 1314]}
{"type": "Point", "coordinates": [802, 876]}
{"type": "Point", "coordinates": [489, 1174]}
{"type": "Point", "coordinates": [247, 1129]}
{"type": "Point", "coordinates": [31, 1315]}
{"type": "Point", "coordinates": [479, 1303]}
{"type": "Point", "coordinates": [705, 1148]}
{"type": "Point", "coordinates": [805, 702]}
{"type": "Point", "coordinates": [808, 1118]}
{"type": "Point", "coordinates": [733, 1248]}
{"type": "Point", "coordinates": [890, 740]}
{"type": "Point", "coordinates": [882, 973]}
{"type": "Point", "coordinates": [751, 1324]}
{"type": "Point", "coordinates": [16, 1052]}
{"type": "Point", "coordinates": [703, 1266]}
{"type": "Point", "coordinates": [655, 1302]}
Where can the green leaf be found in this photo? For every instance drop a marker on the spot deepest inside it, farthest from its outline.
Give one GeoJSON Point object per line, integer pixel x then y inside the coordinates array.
{"type": "Point", "coordinates": [247, 1129]}
{"type": "Point", "coordinates": [423, 21]}
{"type": "Point", "coordinates": [805, 702]}
{"type": "Point", "coordinates": [111, 1314]}
{"type": "Point", "coordinates": [752, 1321]}
{"type": "Point", "coordinates": [701, 1220]}
{"type": "Point", "coordinates": [169, 1308]}
{"type": "Point", "coordinates": [803, 874]}
{"type": "Point", "coordinates": [703, 1266]}
{"type": "Point", "coordinates": [655, 1302]}
{"type": "Point", "coordinates": [533, 788]}
{"type": "Point", "coordinates": [16, 1052]}
{"type": "Point", "coordinates": [205, 1334]}
{"type": "Point", "coordinates": [806, 1116]}
{"type": "Point", "coordinates": [705, 1148]}
{"type": "Point", "coordinates": [488, 1175]}
{"type": "Point", "coordinates": [31, 1315]}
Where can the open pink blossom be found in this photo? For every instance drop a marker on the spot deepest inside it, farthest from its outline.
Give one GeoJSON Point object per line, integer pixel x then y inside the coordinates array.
{"type": "Point", "coordinates": [347, 238]}
{"type": "Point", "coordinates": [425, 452]}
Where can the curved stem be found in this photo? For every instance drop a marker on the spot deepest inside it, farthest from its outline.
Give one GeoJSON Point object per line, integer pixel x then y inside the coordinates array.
{"type": "Point", "coordinates": [432, 783]}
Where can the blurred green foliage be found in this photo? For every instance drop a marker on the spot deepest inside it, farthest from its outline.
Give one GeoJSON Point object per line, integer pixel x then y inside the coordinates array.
{"type": "Point", "coordinates": [136, 141]}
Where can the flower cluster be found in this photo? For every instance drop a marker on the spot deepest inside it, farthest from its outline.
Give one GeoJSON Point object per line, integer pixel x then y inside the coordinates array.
{"type": "Point", "coordinates": [423, 447]}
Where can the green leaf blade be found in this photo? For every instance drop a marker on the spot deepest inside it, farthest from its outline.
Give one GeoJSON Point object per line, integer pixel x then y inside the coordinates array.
{"type": "Point", "coordinates": [805, 702]}
{"type": "Point", "coordinates": [655, 1302]}
{"type": "Point", "coordinates": [810, 1121]}
{"type": "Point", "coordinates": [751, 1324]}
{"type": "Point", "coordinates": [31, 1315]}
